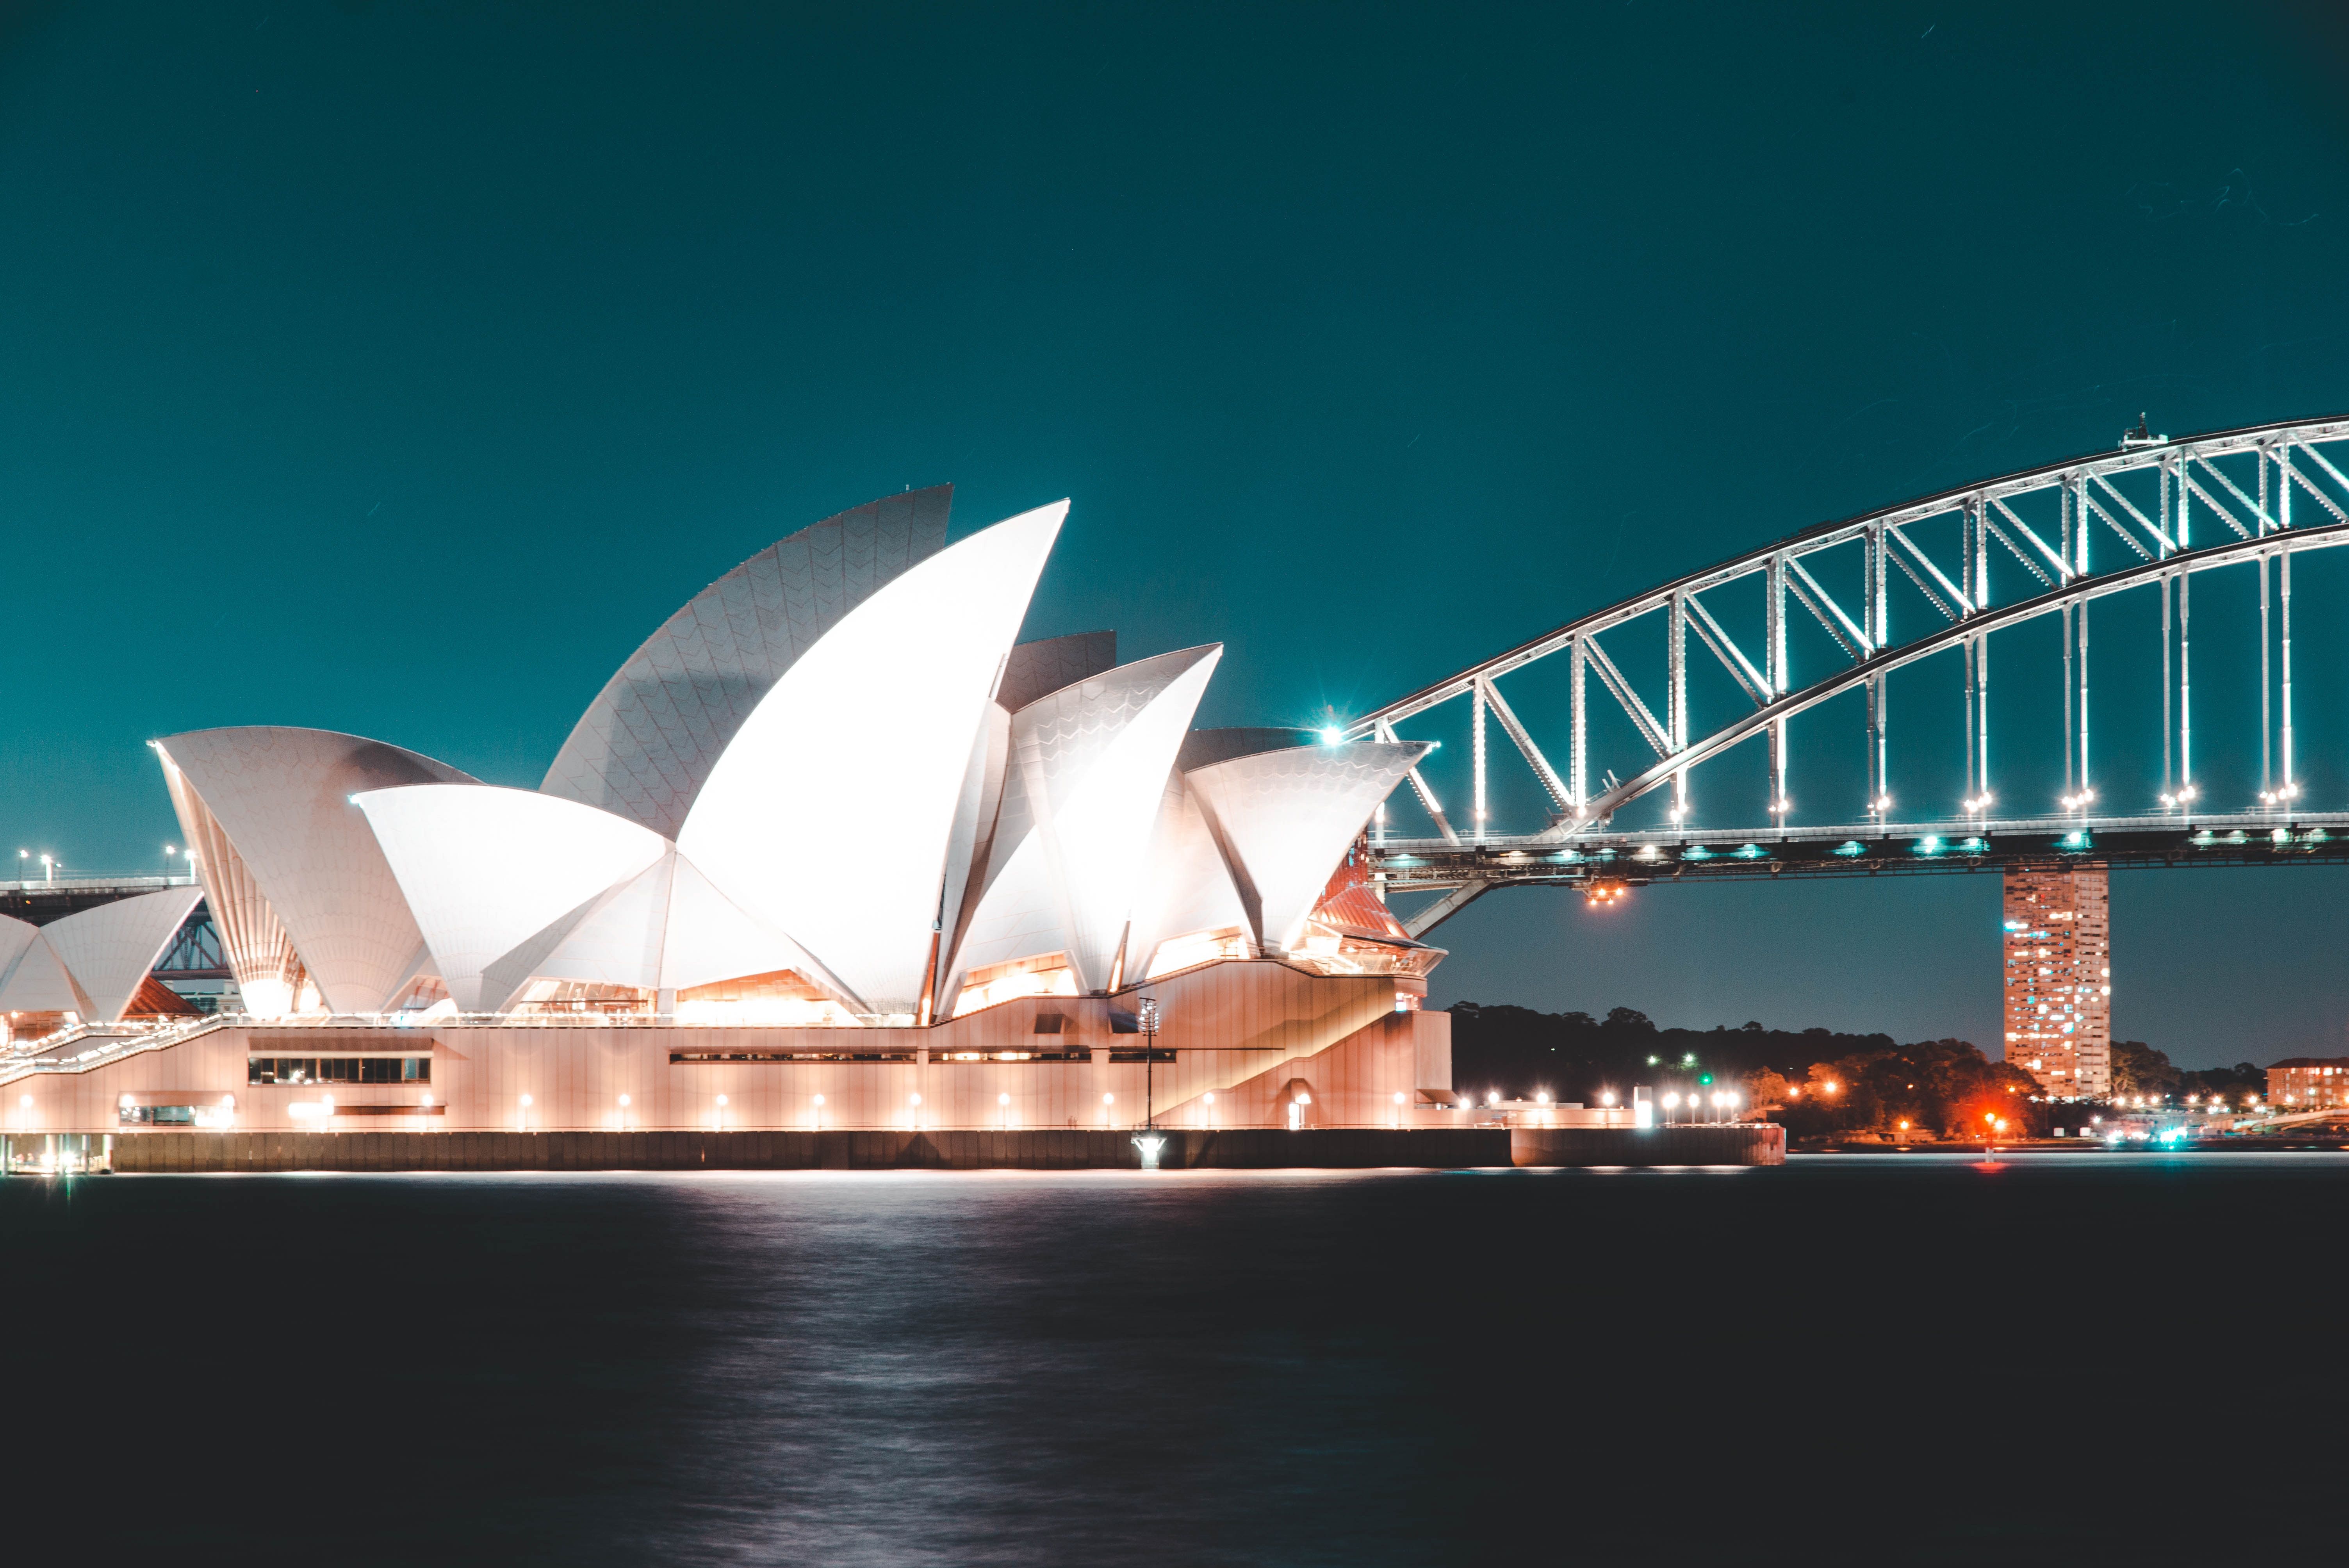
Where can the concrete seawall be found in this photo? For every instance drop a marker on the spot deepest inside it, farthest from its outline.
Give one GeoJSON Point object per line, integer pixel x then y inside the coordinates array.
{"type": "Point", "coordinates": [959, 1149]}
{"type": "Point", "coordinates": [1742, 1144]}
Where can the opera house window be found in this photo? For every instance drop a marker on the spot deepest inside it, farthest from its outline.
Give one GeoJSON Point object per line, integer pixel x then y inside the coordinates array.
{"type": "Point", "coordinates": [337, 1069]}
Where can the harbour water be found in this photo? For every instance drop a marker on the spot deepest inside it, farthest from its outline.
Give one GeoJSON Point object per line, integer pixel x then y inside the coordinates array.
{"type": "Point", "coordinates": [1919, 1358]}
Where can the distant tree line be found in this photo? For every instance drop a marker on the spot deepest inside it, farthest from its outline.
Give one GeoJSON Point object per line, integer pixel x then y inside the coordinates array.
{"type": "Point", "coordinates": [2139, 1068]}
{"type": "Point", "coordinates": [1818, 1082]}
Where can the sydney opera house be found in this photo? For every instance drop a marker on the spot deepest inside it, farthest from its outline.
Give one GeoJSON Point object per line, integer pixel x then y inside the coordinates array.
{"type": "Point", "coordinates": [832, 849]}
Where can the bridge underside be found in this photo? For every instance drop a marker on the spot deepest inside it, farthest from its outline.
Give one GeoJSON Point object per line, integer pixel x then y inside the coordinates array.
{"type": "Point", "coordinates": [1461, 872]}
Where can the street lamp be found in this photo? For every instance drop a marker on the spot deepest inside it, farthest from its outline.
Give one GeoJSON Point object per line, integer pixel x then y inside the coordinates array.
{"type": "Point", "coordinates": [1149, 1021]}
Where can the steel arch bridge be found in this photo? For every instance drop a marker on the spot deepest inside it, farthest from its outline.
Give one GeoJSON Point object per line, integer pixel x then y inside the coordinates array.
{"type": "Point", "coordinates": [2259, 496]}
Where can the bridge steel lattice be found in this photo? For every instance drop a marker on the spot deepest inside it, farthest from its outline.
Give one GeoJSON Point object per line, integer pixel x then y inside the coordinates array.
{"type": "Point", "coordinates": [2239, 489]}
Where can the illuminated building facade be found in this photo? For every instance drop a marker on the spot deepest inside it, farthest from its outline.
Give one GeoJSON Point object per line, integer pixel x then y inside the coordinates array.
{"type": "Point", "coordinates": [2309, 1083]}
{"type": "Point", "coordinates": [2058, 955]}
{"type": "Point", "coordinates": [830, 849]}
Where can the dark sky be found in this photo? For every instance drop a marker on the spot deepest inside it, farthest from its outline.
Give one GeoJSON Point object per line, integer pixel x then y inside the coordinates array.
{"type": "Point", "coordinates": [396, 368]}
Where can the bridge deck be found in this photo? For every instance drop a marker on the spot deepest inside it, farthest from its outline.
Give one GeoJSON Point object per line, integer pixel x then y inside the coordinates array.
{"type": "Point", "coordinates": [1871, 849]}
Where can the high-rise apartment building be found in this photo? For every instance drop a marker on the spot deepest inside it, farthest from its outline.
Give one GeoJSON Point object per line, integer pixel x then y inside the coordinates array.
{"type": "Point", "coordinates": [2059, 977]}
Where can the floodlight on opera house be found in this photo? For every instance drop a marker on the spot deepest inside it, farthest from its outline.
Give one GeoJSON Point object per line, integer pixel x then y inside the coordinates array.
{"type": "Point", "coordinates": [833, 788]}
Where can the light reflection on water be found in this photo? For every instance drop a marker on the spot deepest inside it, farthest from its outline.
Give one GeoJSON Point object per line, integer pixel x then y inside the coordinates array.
{"type": "Point", "coordinates": [1094, 1367]}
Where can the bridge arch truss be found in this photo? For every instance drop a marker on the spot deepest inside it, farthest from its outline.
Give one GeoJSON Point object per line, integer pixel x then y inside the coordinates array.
{"type": "Point", "coordinates": [2259, 495]}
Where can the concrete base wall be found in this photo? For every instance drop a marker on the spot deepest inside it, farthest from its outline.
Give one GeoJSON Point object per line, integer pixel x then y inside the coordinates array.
{"type": "Point", "coordinates": [1762, 1143]}
{"type": "Point", "coordinates": [963, 1150]}
{"type": "Point", "coordinates": [967, 1149]}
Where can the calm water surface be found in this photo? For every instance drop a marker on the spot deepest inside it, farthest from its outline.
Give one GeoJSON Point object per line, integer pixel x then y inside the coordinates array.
{"type": "Point", "coordinates": [2083, 1359]}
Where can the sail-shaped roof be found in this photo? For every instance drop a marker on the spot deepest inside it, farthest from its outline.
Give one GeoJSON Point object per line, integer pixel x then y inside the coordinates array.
{"type": "Point", "coordinates": [1283, 818]}
{"type": "Point", "coordinates": [32, 979]}
{"type": "Point", "coordinates": [1045, 665]}
{"type": "Point", "coordinates": [1187, 888]}
{"type": "Point", "coordinates": [832, 813]}
{"type": "Point", "coordinates": [110, 949]}
{"type": "Point", "coordinates": [290, 865]}
{"type": "Point", "coordinates": [645, 746]}
{"type": "Point", "coordinates": [485, 869]}
{"type": "Point", "coordinates": [1089, 765]}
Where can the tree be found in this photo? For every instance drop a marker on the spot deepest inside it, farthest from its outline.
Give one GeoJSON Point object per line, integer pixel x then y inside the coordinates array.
{"type": "Point", "coordinates": [2235, 1084]}
{"type": "Point", "coordinates": [1765, 1090]}
{"type": "Point", "coordinates": [2139, 1068]}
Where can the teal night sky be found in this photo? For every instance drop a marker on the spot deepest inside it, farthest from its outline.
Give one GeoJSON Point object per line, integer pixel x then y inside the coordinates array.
{"type": "Point", "coordinates": [396, 368]}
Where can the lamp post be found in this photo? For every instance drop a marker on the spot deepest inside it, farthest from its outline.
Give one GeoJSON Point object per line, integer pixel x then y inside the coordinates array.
{"type": "Point", "coordinates": [1149, 1021]}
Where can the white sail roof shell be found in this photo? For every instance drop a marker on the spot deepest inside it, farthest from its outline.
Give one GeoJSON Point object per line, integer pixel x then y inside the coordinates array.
{"type": "Point", "coordinates": [646, 744]}
{"type": "Point", "coordinates": [1087, 770]}
{"type": "Point", "coordinates": [1283, 820]}
{"type": "Point", "coordinates": [32, 978]}
{"type": "Point", "coordinates": [832, 814]}
{"type": "Point", "coordinates": [109, 950]}
{"type": "Point", "coordinates": [665, 929]}
{"type": "Point", "coordinates": [485, 869]}
{"type": "Point", "coordinates": [1189, 888]}
{"type": "Point", "coordinates": [1041, 668]}
{"type": "Point", "coordinates": [281, 849]}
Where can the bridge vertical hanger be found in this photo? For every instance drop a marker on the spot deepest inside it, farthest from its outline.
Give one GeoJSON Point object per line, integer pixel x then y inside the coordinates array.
{"type": "Point", "coordinates": [1967, 649]}
{"type": "Point", "coordinates": [1974, 537]}
{"type": "Point", "coordinates": [2184, 534]}
{"type": "Point", "coordinates": [2080, 572]}
{"type": "Point", "coordinates": [1579, 748]}
{"type": "Point", "coordinates": [1981, 555]}
{"type": "Point", "coordinates": [1677, 699]}
{"type": "Point", "coordinates": [1773, 657]}
{"type": "Point", "coordinates": [2185, 679]}
{"type": "Point", "coordinates": [2283, 574]}
{"type": "Point", "coordinates": [1981, 703]}
{"type": "Point", "coordinates": [2063, 544]}
{"type": "Point", "coordinates": [2162, 543]}
{"type": "Point", "coordinates": [1872, 547]}
{"type": "Point", "coordinates": [2267, 715]}
{"type": "Point", "coordinates": [2283, 570]}
{"type": "Point", "coordinates": [2168, 742]}
{"type": "Point", "coordinates": [1477, 754]}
